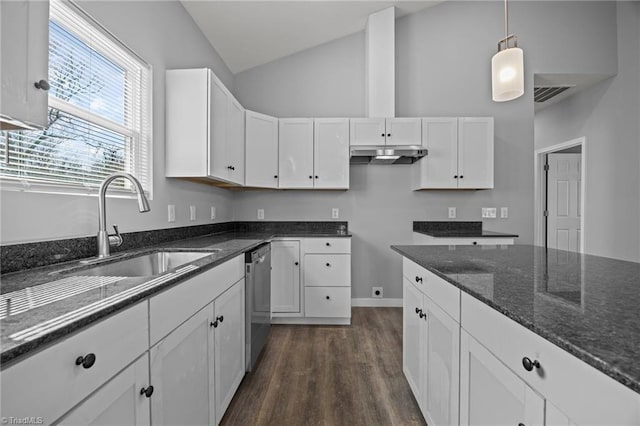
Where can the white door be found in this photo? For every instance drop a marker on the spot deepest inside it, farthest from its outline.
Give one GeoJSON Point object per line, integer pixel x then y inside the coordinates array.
{"type": "Point", "coordinates": [182, 374]}
{"type": "Point", "coordinates": [404, 131]}
{"type": "Point", "coordinates": [439, 169]}
{"type": "Point", "coordinates": [235, 140]}
{"type": "Point", "coordinates": [119, 402]}
{"type": "Point", "coordinates": [24, 59]}
{"type": "Point", "coordinates": [475, 152]}
{"type": "Point", "coordinates": [285, 276]}
{"type": "Point", "coordinates": [331, 153]}
{"type": "Point", "coordinates": [563, 197]}
{"type": "Point", "coordinates": [442, 367]}
{"type": "Point", "coordinates": [229, 345]}
{"type": "Point", "coordinates": [491, 394]}
{"type": "Point", "coordinates": [367, 131]}
{"type": "Point", "coordinates": [413, 336]}
{"type": "Point", "coordinates": [261, 167]}
{"type": "Point", "coordinates": [218, 162]}
{"type": "Point", "coordinates": [295, 160]}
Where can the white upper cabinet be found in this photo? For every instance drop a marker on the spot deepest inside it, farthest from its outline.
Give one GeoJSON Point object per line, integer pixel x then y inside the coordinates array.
{"type": "Point", "coordinates": [331, 153]}
{"type": "Point", "coordinates": [24, 63]}
{"type": "Point", "coordinates": [389, 131]}
{"type": "Point", "coordinates": [261, 150]}
{"type": "Point", "coordinates": [205, 128]}
{"type": "Point", "coordinates": [296, 153]}
{"type": "Point", "coordinates": [460, 154]}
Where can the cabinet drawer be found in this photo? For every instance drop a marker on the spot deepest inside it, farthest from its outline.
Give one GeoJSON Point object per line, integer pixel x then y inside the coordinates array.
{"type": "Point", "coordinates": [329, 270]}
{"type": "Point", "coordinates": [327, 245]}
{"type": "Point", "coordinates": [331, 302]}
{"type": "Point", "coordinates": [174, 306]}
{"type": "Point", "coordinates": [584, 394]}
{"type": "Point", "coordinates": [443, 293]}
{"type": "Point", "coordinates": [419, 238]}
{"type": "Point", "coordinates": [50, 383]}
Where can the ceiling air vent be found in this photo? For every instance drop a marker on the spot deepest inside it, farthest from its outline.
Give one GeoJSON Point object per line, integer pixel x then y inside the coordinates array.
{"type": "Point", "coordinates": [544, 93]}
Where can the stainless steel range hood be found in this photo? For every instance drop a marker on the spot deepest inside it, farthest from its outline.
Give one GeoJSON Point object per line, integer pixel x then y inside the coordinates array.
{"type": "Point", "coordinates": [386, 154]}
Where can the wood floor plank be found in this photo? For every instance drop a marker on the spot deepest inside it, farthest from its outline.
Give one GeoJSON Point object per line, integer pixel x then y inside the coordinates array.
{"type": "Point", "coordinates": [329, 375]}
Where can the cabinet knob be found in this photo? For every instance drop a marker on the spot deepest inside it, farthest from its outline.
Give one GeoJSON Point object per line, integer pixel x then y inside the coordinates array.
{"type": "Point", "coordinates": [382, 135]}
{"type": "Point", "coordinates": [328, 244]}
{"type": "Point", "coordinates": [310, 177]}
{"type": "Point", "coordinates": [233, 168]}
{"type": "Point", "coordinates": [275, 176]}
{"type": "Point", "coordinates": [42, 85]}
{"type": "Point", "coordinates": [418, 310]}
{"type": "Point", "coordinates": [388, 135]}
{"type": "Point", "coordinates": [214, 324]}
{"type": "Point", "coordinates": [328, 264]}
{"type": "Point", "coordinates": [461, 176]}
{"type": "Point", "coordinates": [528, 364]}
{"type": "Point", "coordinates": [86, 361]}
{"type": "Point", "coordinates": [296, 263]}
{"type": "Point", "coordinates": [475, 243]}
{"type": "Point", "coordinates": [220, 318]}
{"type": "Point", "coordinates": [148, 391]}
{"type": "Point", "coordinates": [316, 177]}
{"type": "Point", "coordinates": [521, 424]}
{"type": "Point", "coordinates": [455, 177]}
{"type": "Point", "coordinates": [422, 315]}
{"type": "Point", "coordinates": [418, 279]}
{"type": "Point", "coordinates": [328, 298]}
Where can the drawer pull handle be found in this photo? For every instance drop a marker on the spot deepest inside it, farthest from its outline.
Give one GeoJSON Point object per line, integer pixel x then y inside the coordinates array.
{"type": "Point", "coordinates": [86, 361]}
{"type": "Point", "coordinates": [528, 364]}
{"type": "Point", "coordinates": [475, 243]}
{"type": "Point", "coordinates": [328, 264]}
{"type": "Point", "coordinates": [328, 298]}
{"type": "Point", "coordinates": [214, 324]}
{"type": "Point", "coordinates": [328, 244]}
{"type": "Point", "coordinates": [419, 312]}
{"type": "Point", "coordinates": [418, 279]}
{"type": "Point", "coordinates": [521, 424]}
{"type": "Point", "coordinates": [147, 391]}
{"type": "Point", "coordinates": [220, 318]}
{"type": "Point", "coordinates": [296, 263]}
{"type": "Point", "coordinates": [422, 315]}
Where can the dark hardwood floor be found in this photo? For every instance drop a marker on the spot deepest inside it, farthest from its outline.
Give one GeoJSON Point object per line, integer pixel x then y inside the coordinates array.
{"type": "Point", "coordinates": [330, 375]}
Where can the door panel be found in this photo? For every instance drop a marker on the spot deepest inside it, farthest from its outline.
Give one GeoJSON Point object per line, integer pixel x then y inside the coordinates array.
{"type": "Point", "coordinates": [331, 153]}
{"type": "Point", "coordinates": [217, 129]}
{"type": "Point", "coordinates": [412, 339]}
{"type": "Point", "coordinates": [235, 141]}
{"type": "Point", "coordinates": [563, 196]}
{"type": "Point", "coordinates": [440, 138]}
{"type": "Point", "coordinates": [404, 131]}
{"type": "Point", "coordinates": [475, 152]}
{"type": "Point", "coordinates": [367, 131]}
{"type": "Point", "coordinates": [295, 159]}
{"type": "Point", "coordinates": [261, 150]}
{"type": "Point", "coordinates": [285, 276]}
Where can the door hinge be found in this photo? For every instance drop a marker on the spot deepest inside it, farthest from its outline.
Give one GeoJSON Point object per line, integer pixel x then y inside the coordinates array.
{"type": "Point", "coordinates": [546, 167]}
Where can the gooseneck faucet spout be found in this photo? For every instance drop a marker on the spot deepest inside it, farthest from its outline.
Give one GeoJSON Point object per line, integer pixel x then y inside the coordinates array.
{"type": "Point", "coordinates": [105, 241]}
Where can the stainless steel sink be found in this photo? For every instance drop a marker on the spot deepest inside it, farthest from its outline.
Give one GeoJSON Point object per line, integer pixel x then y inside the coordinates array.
{"type": "Point", "coordinates": [146, 265]}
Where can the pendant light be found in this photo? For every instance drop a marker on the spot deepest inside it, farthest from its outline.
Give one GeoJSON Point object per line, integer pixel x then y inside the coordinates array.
{"type": "Point", "coordinates": [507, 66]}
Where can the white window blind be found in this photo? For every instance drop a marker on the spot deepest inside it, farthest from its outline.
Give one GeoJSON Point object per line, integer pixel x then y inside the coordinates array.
{"type": "Point", "coordinates": [99, 112]}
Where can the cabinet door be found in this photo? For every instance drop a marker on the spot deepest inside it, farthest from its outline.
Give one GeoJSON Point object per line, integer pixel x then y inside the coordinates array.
{"type": "Point", "coordinates": [24, 60]}
{"type": "Point", "coordinates": [490, 393]}
{"type": "Point", "coordinates": [119, 402]}
{"type": "Point", "coordinates": [367, 131]}
{"type": "Point", "coordinates": [439, 169]}
{"type": "Point", "coordinates": [296, 153]}
{"type": "Point", "coordinates": [228, 345]}
{"type": "Point", "coordinates": [218, 121]}
{"type": "Point", "coordinates": [331, 153]}
{"type": "Point", "coordinates": [404, 131]}
{"type": "Point", "coordinates": [475, 152]}
{"type": "Point", "coordinates": [413, 330]}
{"type": "Point", "coordinates": [285, 276]}
{"type": "Point", "coordinates": [261, 166]}
{"type": "Point", "coordinates": [182, 374]}
{"type": "Point", "coordinates": [235, 141]}
{"type": "Point", "coordinates": [442, 367]}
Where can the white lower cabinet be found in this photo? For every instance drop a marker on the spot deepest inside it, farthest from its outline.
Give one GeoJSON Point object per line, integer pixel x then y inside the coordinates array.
{"type": "Point", "coordinates": [430, 356]}
{"type": "Point", "coordinates": [285, 277]}
{"type": "Point", "coordinates": [182, 374]}
{"type": "Point", "coordinates": [491, 394]}
{"type": "Point", "coordinates": [124, 400]}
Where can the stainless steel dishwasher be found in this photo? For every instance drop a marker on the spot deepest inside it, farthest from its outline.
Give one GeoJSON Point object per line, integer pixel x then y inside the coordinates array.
{"type": "Point", "coordinates": [257, 301]}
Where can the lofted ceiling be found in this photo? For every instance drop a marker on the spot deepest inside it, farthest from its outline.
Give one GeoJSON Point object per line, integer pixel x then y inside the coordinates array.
{"type": "Point", "coordinates": [251, 33]}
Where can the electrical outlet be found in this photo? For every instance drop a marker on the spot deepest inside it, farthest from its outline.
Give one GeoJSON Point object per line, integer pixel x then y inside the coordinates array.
{"type": "Point", "coordinates": [192, 213]}
{"type": "Point", "coordinates": [504, 212]}
{"type": "Point", "coordinates": [376, 291]}
{"type": "Point", "coordinates": [260, 214]}
{"type": "Point", "coordinates": [335, 213]}
{"type": "Point", "coordinates": [489, 212]}
{"type": "Point", "coordinates": [171, 212]}
{"type": "Point", "coordinates": [452, 212]}
{"type": "Point", "coordinates": [213, 212]}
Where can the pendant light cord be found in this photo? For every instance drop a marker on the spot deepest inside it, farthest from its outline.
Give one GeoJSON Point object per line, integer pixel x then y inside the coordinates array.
{"type": "Point", "coordinates": [506, 25]}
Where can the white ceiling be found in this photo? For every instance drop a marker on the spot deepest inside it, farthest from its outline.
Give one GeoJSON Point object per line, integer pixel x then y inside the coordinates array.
{"type": "Point", "coordinates": [251, 33]}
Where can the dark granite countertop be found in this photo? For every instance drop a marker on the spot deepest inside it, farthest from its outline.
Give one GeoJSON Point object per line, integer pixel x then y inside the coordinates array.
{"type": "Point", "coordinates": [457, 229]}
{"type": "Point", "coordinates": [586, 305]}
{"type": "Point", "coordinates": [86, 299]}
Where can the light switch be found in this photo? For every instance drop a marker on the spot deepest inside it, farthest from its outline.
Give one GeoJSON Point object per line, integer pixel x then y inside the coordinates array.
{"type": "Point", "coordinates": [504, 212]}
{"type": "Point", "coordinates": [171, 212]}
{"type": "Point", "coordinates": [335, 213]}
{"type": "Point", "coordinates": [452, 212]}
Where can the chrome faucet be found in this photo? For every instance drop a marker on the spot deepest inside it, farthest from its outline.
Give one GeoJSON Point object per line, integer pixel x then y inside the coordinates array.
{"type": "Point", "coordinates": [105, 241]}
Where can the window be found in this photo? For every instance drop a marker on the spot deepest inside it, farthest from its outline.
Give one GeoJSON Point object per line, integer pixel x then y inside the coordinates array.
{"type": "Point", "coordinates": [99, 113]}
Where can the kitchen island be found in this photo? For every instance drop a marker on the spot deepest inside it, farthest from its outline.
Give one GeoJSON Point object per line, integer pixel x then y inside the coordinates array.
{"type": "Point", "coordinates": [517, 302]}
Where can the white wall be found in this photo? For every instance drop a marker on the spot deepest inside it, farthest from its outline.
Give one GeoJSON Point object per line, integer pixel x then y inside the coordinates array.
{"type": "Point", "coordinates": [165, 36]}
{"type": "Point", "coordinates": [443, 68]}
{"type": "Point", "coordinates": [607, 115]}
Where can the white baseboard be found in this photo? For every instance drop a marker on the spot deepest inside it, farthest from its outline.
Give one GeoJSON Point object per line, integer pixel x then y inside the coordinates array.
{"type": "Point", "coordinates": [375, 302]}
{"type": "Point", "coordinates": [310, 321]}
